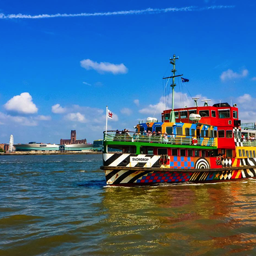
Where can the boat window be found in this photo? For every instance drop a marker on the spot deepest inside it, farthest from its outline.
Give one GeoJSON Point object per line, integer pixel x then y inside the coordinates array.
{"type": "Point", "coordinates": [213, 113]}
{"type": "Point", "coordinates": [224, 113]}
{"type": "Point", "coordinates": [253, 153]}
{"type": "Point", "coordinates": [202, 133]}
{"type": "Point", "coordinates": [190, 152]}
{"type": "Point", "coordinates": [243, 153]}
{"type": "Point", "coordinates": [179, 130]}
{"type": "Point", "coordinates": [234, 114]}
{"type": "Point", "coordinates": [176, 113]}
{"type": "Point", "coordinates": [182, 152]}
{"type": "Point", "coordinates": [174, 152]}
{"type": "Point", "coordinates": [159, 128]}
{"type": "Point", "coordinates": [149, 129]}
{"type": "Point", "coordinates": [162, 151]}
{"type": "Point", "coordinates": [250, 154]}
{"type": "Point", "coordinates": [229, 134]}
{"type": "Point", "coordinates": [211, 134]}
{"type": "Point", "coordinates": [215, 134]}
{"type": "Point", "coordinates": [167, 116]}
{"type": "Point", "coordinates": [247, 154]}
{"type": "Point", "coordinates": [193, 132]}
{"type": "Point", "coordinates": [150, 151]}
{"type": "Point", "coordinates": [240, 152]}
{"type": "Point", "coordinates": [207, 133]}
{"type": "Point", "coordinates": [203, 153]}
{"type": "Point", "coordinates": [169, 130]}
{"type": "Point", "coordinates": [131, 150]}
{"type": "Point", "coordinates": [192, 111]}
{"type": "Point", "coordinates": [183, 114]}
{"type": "Point", "coordinates": [221, 134]}
{"type": "Point", "coordinates": [187, 131]}
{"type": "Point", "coordinates": [196, 152]}
{"type": "Point", "coordinates": [204, 113]}
{"type": "Point", "coordinates": [229, 152]}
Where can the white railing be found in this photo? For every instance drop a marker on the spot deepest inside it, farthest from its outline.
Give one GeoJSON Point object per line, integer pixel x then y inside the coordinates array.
{"type": "Point", "coordinates": [249, 143]}
{"type": "Point", "coordinates": [170, 139]}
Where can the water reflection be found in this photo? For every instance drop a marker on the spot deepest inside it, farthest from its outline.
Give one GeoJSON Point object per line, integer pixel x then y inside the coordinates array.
{"type": "Point", "coordinates": [184, 220]}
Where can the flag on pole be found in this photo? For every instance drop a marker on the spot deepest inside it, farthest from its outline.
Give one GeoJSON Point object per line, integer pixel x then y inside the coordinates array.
{"type": "Point", "coordinates": [184, 80]}
{"type": "Point", "coordinates": [110, 114]}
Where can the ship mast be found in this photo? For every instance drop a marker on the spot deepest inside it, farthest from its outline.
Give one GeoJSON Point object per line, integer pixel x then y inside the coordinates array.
{"type": "Point", "coordinates": [173, 62]}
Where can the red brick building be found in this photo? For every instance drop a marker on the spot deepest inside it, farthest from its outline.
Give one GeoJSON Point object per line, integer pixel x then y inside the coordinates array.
{"type": "Point", "coordinates": [4, 147]}
{"type": "Point", "coordinates": [73, 140]}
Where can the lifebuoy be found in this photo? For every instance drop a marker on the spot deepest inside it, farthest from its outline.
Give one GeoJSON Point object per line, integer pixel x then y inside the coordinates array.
{"type": "Point", "coordinates": [194, 141]}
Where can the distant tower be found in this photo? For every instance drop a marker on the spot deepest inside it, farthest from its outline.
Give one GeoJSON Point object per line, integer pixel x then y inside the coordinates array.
{"type": "Point", "coordinates": [11, 144]}
{"type": "Point", "coordinates": [73, 136]}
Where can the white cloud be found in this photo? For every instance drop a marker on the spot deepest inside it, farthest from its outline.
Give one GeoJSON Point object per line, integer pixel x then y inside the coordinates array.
{"type": "Point", "coordinates": [230, 74]}
{"type": "Point", "coordinates": [246, 98]}
{"type": "Point", "coordinates": [103, 67]}
{"type": "Point", "coordinates": [76, 117]}
{"type": "Point", "coordinates": [254, 78]}
{"type": "Point", "coordinates": [87, 83]}
{"type": "Point", "coordinates": [153, 109]}
{"type": "Point", "coordinates": [43, 118]}
{"type": "Point", "coordinates": [22, 104]}
{"type": "Point", "coordinates": [130, 12]}
{"type": "Point", "coordinates": [126, 111]}
{"type": "Point", "coordinates": [21, 120]}
{"type": "Point", "coordinates": [180, 100]}
{"type": "Point", "coordinates": [136, 102]}
{"type": "Point", "coordinates": [57, 109]}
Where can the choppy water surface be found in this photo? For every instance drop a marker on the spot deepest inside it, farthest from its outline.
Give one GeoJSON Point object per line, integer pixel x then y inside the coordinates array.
{"type": "Point", "coordinates": [58, 205]}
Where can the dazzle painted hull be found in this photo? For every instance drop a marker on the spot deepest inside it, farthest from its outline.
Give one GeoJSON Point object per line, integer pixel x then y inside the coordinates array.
{"type": "Point", "coordinates": [132, 170]}
{"type": "Point", "coordinates": [132, 178]}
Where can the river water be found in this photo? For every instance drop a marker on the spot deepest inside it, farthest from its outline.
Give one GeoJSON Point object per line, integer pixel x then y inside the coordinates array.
{"type": "Point", "coordinates": [59, 205]}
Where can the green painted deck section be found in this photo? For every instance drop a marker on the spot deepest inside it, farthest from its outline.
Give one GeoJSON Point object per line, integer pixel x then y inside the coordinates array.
{"type": "Point", "coordinates": [138, 145]}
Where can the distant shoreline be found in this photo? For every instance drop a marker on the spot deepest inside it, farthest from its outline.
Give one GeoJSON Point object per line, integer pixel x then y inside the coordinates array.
{"type": "Point", "coordinates": [22, 153]}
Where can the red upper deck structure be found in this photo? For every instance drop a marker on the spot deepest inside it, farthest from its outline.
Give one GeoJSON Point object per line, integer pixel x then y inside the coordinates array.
{"type": "Point", "coordinates": [222, 115]}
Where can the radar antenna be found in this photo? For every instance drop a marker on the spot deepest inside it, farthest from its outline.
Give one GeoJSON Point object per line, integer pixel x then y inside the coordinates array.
{"type": "Point", "coordinates": [195, 100]}
{"type": "Point", "coordinates": [206, 102]}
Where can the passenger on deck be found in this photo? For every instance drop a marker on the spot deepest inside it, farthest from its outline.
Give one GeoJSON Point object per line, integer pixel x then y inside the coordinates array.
{"type": "Point", "coordinates": [165, 139]}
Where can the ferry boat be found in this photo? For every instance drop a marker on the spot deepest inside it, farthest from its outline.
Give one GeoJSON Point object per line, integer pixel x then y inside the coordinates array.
{"type": "Point", "coordinates": [200, 144]}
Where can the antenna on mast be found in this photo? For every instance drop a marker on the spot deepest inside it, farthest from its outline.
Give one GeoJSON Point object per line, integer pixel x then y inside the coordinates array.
{"type": "Point", "coordinates": [195, 100]}
{"type": "Point", "coordinates": [206, 102]}
{"type": "Point", "coordinates": [173, 62]}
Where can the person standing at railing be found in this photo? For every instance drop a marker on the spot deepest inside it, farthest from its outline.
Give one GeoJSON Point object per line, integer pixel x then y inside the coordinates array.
{"type": "Point", "coordinates": [159, 136]}
{"type": "Point", "coordinates": [135, 137]}
{"type": "Point", "coordinates": [149, 136]}
{"type": "Point", "coordinates": [172, 138]}
{"type": "Point", "coordinates": [165, 138]}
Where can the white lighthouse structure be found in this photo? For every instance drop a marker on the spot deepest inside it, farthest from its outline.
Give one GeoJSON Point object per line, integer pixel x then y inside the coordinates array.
{"type": "Point", "coordinates": [11, 144]}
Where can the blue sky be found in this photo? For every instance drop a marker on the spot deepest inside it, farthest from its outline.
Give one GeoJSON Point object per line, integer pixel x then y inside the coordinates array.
{"type": "Point", "coordinates": [62, 62]}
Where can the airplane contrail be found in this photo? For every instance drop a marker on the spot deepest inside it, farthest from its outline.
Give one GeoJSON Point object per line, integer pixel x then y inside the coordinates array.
{"type": "Point", "coordinates": [97, 14]}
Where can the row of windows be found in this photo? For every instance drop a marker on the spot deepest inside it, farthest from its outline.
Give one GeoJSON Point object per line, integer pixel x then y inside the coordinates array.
{"type": "Point", "coordinates": [185, 152]}
{"type": "Point", "coordinates": [246, 153]}
{"type": "Point", "coordinates": [225, 113]}
{"type": "Point", "coordinates": [192, 132]}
